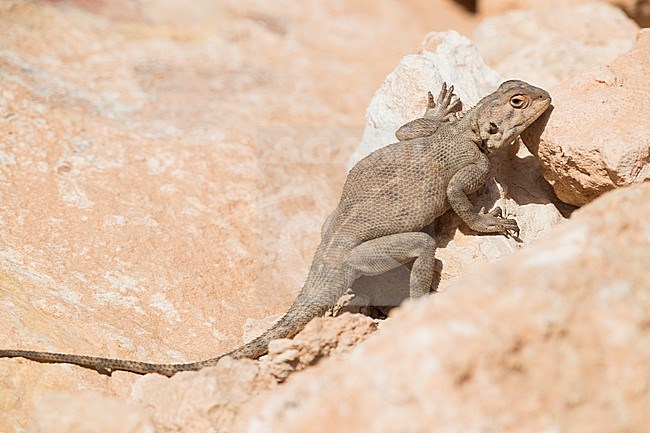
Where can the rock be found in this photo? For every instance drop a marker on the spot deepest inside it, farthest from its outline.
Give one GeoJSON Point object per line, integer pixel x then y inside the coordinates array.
{"type": "Point", "coordinates": [322, 337]}
{"type": "Point", "coordinates": [165, 173]}
{"type": "Point", "coordinates": [597, 137]}
{"type": "Point", "coordinates": [554, 338]}
{"type": "Point", "coordinates": [551, 43]}
{"type": "Point", "coordinates": [60, 413]}
{"type": "Point", "coordinates": [210, 400]}
{"type": "Point", "coordinates": [515, 182]}
{"type": "Point", "coordinates": [638, 10]}
{"type": "Point", "coordinates": [446, 56]}
{"type": "Point", "coordinates": [165, 170]}
{"type": "Point", "coordinates": [204, 402]}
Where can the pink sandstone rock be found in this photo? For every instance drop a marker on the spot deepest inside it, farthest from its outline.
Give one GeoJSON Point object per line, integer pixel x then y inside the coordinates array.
{"type": "Point", "coordinates": [206, 401]}
{"type": "Point", "coordinates": [165, 171]}
{"type": "Point", "coordinates": [88, 412]}
{"type": "Point", "coordinates": [211, 400]}
{"type": "Point", "coordinates": [551, 43]}
{"type": "Point", "coordinates": [639, 10]}
{"type": "Point", "coordinates": [323, 337]}
{"type": "Point", "coordinates": [597, 137]}
{"type": "Point", "coordinates": [554, 338]}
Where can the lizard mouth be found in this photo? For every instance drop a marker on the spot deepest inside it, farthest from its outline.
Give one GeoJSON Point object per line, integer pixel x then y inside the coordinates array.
{"type": "Point", "coordinates": [482, 146]}
{"type": "Point", "coordinates": [539, 112]}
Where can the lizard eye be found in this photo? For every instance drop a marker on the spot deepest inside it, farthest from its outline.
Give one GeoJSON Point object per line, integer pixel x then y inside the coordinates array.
{"type": "Point", "coordinates": [493, 128]}
{"type": "Point", "coordinates": [519, 101]}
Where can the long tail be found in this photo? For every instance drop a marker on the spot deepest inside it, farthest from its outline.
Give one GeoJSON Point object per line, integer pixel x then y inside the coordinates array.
{"type": "Point", "coordinates": [304, 308]}
{"type": "Point", "coordinates": [102, 365]}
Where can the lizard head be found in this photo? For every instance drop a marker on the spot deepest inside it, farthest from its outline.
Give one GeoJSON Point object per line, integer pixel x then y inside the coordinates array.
{"type": "Point", "coordinates": [501, 116]}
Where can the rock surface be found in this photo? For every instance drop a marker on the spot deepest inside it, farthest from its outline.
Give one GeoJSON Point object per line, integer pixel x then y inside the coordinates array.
{"type": "Point", "coordinates": [207, 401]}
{"type": "Point", "coordinates": [555, 338]}
{"type": "Point", "coordinates": [551, 43]}
{"type": "Point", "coordinates": [212, 399]}
{"type": "Point", "coordinates": [165, 168]}
{"type": "Point", "coordinates": [639, 10]}
{"type": "Point", "coordinates": [323, 337]}
{"type": "Point", "coordinates": [597, 137]}
{"type": "Point", "coordinates": [88, 412]}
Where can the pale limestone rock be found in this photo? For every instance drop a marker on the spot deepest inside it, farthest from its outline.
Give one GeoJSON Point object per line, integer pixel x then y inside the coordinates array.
{"type": "Point", "coordinates": [597, 137]}
{"type": "Point", "coordinates": [88, 412]}
{"type": "Point", "coordinates": [551, 43]}
{"type": "Point", "coordinates": [638, 10]}
{"type": "Point", "coordinates": [555, 338]}
{"type": "Point", "coordinates": [446, 56]}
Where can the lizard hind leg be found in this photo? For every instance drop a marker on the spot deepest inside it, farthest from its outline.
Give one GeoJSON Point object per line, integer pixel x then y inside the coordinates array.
{"type": "Point", "coordinates": [383, 254]}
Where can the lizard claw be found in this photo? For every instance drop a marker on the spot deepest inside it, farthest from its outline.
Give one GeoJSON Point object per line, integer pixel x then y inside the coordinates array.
{"type": "Point", "coordinates": [497, 212]}
{"type": "Point", "coordinates": [494, 222]}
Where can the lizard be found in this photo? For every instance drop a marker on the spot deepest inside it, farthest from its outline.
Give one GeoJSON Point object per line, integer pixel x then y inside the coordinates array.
{"type": "Point", "coordinates": [387, 199]}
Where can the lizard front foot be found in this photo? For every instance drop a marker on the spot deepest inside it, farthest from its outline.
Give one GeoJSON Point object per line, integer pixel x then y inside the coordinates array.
{"type": "Point", "coordinates": [493, 222]}
{"type": "Point", "coordinates": [447, 104]}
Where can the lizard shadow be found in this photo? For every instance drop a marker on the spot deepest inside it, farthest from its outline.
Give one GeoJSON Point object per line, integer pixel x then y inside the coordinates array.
{"type": "Point", "coordinates": [376, 295]}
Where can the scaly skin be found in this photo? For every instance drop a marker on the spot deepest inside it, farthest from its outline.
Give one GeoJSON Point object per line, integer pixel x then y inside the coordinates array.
{"type": "Point", "coordinates": [388, 197]}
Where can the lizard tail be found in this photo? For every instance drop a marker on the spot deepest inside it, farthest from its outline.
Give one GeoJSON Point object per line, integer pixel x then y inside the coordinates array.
{"type": "Point", "coordinates": [102, 365]}
{"type": "Point", "coordinates": [296, 318]}
{"type": "Point", "coordinates": [304, 308]}
{"type": "Point", "coordinates": [288, 326]}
